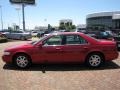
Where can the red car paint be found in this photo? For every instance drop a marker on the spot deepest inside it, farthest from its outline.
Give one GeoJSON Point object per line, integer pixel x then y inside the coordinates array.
{"type": "Point", "coordinates": [63, 53]}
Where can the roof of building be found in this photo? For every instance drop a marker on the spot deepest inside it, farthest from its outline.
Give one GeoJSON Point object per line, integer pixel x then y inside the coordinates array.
{"type": "Point", "coordinates": [103, 14]}
{"type": "Point", "coordinates": [66, 20]}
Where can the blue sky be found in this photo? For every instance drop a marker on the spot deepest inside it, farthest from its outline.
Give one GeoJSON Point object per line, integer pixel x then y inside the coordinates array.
{"type": "Point", "coordinates": [55, 10]}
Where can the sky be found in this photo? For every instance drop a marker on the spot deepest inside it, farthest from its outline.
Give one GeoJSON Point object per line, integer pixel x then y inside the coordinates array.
{"type": "Point", "coordinates": [51, 11]}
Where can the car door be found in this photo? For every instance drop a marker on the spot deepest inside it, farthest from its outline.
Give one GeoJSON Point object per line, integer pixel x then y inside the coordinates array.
{"type": "Point", "coordinates": [17, 34]}
{"type": "Point", "coordinates": [13, 34]}
{"type": "Point", "coordinates": [75, 49]}
{"type": "Point", "coordinates": [10, 35]}
{"type": "Point", "coordinates": [52, 49]}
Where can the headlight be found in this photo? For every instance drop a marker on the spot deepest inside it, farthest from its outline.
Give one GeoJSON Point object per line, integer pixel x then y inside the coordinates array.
{"type": "Point", "coordinates": [6, 53]}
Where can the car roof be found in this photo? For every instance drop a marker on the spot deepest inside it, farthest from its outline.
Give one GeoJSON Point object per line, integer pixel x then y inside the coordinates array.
{"type": "Point", "coordinates": [66, 33]}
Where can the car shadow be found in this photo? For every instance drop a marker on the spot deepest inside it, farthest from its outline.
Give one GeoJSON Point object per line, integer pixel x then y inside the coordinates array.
{"type": "Point", "coordinates": [63, 67]}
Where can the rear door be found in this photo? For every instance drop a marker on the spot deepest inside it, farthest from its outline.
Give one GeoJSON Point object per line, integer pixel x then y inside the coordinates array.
{"type": "Point", "coordinates": [75, 48]}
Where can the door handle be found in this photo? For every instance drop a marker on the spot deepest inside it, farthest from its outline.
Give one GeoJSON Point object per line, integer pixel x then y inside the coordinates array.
{"type": "Point", "coordinates": [85, 47]}
{"type": "Point", "coordinates": [58, 48]}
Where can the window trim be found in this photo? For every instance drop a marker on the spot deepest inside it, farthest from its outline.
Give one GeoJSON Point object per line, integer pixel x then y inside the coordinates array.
{"type": "Point", "coordinates": [51, 45]}
{"type": "Point", "coordinates": [65, 41]}
{"type": "Point", "coordinates": [79, 38]}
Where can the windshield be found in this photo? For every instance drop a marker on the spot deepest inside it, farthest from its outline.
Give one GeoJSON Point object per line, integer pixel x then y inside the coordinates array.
{"type": "Point", "coordinates": [35, 42]}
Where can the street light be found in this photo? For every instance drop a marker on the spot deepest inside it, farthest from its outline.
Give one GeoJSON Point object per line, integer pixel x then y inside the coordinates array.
{"type": "Point", "coordinates": [1, 17]}
{"type": "Point", "coordinates": [18, 9]}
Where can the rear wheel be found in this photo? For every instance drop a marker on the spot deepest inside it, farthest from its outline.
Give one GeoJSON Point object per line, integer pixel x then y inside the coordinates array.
{"type": "Point", "coordinates": [22, 61]}
{"type": "Point", "coordinates": [95, 60]}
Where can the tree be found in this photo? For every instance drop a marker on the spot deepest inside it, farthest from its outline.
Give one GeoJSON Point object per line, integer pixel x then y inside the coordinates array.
{"type": "Point", "coordinates": [67, 26]}
{"type": "Point", "coordinates": [62, 26]}
{"type": "Point", "coordinates": [73, 27]}
{"type": "Point", "coordinates": [49, 28]}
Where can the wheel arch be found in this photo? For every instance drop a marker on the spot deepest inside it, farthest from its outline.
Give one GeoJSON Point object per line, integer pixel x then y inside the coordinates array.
{"type": "Point", "coordinates": [95, 52]}
{"type": "Point", "coordinates": [17, 53]}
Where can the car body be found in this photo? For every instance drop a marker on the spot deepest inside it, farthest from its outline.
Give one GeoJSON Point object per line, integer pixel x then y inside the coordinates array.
{"type": "Point", "coordinates": [81, 30]}
{"type": "Point", "coordinates": [3, 32]}
{"type": "Point", "coordinates": [40, 34]}
{"type": "Point", "coordinates": [34, 33]}
{"type": "Point", "coordinates": [18, 35]}
{"type": "Point", "coordinates": [51, 33]}
{"type": "Point", "coordinates": [104, 35]}
{"type": "Point", "coordinates": [65, 47]}
{"type": "Point", "coordinates": [108, 35]}
{"type": "Point", "coordinates": [117, 40]}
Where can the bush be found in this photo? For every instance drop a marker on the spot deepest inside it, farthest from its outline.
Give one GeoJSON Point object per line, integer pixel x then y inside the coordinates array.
{"type": "Point", "coordinates": [2, 40]}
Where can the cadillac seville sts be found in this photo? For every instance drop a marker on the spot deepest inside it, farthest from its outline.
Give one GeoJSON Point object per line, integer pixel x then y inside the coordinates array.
{"type": "Point", "coordinates": [64, 47]}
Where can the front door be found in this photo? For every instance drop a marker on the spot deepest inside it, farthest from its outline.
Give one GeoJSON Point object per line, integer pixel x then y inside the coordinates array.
{"type": "Point", "coordinates": [52, 49]}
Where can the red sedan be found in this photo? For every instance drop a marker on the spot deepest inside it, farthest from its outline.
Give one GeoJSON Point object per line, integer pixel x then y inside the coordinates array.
{"type": "Point", "coordinates": [66, 47]}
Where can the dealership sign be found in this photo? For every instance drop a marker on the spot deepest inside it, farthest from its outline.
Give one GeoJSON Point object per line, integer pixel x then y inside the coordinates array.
{"type": "Point", "coordinates": [22, 1]}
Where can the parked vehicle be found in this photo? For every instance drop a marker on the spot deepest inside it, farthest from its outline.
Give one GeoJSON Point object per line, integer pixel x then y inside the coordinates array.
{"type": "Point", "coordinates": [82, 31]}
{"type": "Point", "coordinates": [40, 34]}
{"type": "Point", "coordinates": [65, 47]}
{"type": "Point", "coordinates": [108, 35]}
{"type": "Point", "coordinates": [104, 35]}
{"type": "Point", "coordinates": [34, 33]}
{"type": "Point", "coordinates": [117, 39]}
{"type": "Point", "coordinates": [3, 32]}
{"type": "Point", "coordinates": [18, 35]}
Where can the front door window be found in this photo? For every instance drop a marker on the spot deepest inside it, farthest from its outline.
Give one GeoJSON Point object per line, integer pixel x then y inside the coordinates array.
{"type": "Point", "coordinates": [55, 40]}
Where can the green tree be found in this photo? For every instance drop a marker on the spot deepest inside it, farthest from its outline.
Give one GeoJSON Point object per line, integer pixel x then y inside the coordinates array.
{"type": "Point", "coordinates": [62, 26]}
{"type": "Point", "coordinates": [67, 26]}
{"type": "Point", "coordinates": [73, 27]}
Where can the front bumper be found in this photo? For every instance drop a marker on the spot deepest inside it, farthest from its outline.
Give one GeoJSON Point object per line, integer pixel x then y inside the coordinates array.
{"type": "Point", "coordinates": [7, 58]}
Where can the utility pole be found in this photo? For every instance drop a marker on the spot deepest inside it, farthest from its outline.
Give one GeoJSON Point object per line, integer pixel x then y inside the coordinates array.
{"type": "Point", "coordinates": [23, 14]}
{"type": "Point", "coordinates": [1, 17]}
{"type": "Point", "coordinates": [23, 2]}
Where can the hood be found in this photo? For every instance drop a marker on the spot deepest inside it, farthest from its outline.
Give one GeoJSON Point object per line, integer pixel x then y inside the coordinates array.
{"type": "Point", "coordinates": [21, 46]}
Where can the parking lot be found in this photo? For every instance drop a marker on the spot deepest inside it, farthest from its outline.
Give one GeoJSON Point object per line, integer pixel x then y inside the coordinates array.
{"type": "Point", "coordinates": [58, 77]}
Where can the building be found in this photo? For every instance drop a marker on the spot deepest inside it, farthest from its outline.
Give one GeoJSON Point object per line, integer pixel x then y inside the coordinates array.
{"type": "Point", "coordinates": [65, 22]}
{"type": "Point", "coordinates": [104, 20]}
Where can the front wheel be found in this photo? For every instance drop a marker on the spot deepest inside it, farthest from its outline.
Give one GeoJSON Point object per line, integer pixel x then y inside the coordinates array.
{"type": "Point", "coordinates": [22, 61]}
{"type": "Point", "coordinates": [95, 60]}
{"type": "Point", "coordinates": [22, 38]}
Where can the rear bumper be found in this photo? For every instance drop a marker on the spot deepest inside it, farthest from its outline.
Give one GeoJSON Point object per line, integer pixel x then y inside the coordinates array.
{"type": "Point", "coordinates": [111, 56]}
{"type": "Point", "coordinates": [28, 36]}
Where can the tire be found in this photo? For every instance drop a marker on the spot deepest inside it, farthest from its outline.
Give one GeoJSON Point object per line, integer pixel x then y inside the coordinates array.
{"type": "Point", "coordinates": [4, 36]}
{"type": "Point", "coordinates": [22, 61]}
{"type": "Point", "coordinates": [22, 38]}
{"type": "Point", "coordinates": [95, 60]}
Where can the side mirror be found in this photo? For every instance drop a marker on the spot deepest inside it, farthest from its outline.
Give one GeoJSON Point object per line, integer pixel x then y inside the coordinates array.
{"type": "Point", "coordinates": [39, 45]}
